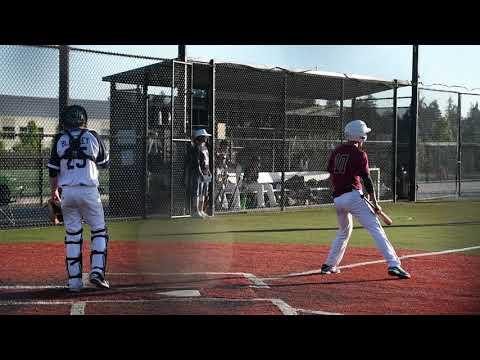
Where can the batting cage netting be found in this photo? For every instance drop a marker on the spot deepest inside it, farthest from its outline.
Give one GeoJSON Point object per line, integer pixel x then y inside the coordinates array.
{"type": "Point", "coordinates": [273, 130]}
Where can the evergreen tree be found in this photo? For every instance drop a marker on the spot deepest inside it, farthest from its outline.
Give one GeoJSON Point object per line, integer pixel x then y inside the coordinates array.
{"type": "Point", "coordinates": [30, 140]}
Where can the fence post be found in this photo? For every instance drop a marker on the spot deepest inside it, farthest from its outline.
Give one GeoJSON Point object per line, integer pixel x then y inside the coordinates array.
{"type": "Point", "coordinates": [212, 124]}
{"type": "Point", "coordinates": [182, 53]}
{"type": "Point", "coordinates": [413, 128]}
{"type": "Point", "coordinates": [284, 139]}
{"type": "Point", "coordinates": [354, 102]}
{"type": "Point", "coordinates": [341, 109]}
{"type": "Point", "coordinates": [145, 144]}
{"type": "Point", "coordinates": [395, 142]}
{"type": "Point", "coordinates": [40, 172]}
{"type": "Point", "coordinates": [63, 79]}
{"type": "Point", "coordinates": [459, 145]}
{"type": "Point", "coordinates": [172, 131]}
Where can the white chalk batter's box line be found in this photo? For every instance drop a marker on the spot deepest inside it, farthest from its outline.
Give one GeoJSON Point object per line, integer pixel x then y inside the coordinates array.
{"type": "Point", "coordinates": [257, 283]}
{"type": "Point", "coordinates": [317, 271]}
{"type": "Point", "coordinates": [78, 307]}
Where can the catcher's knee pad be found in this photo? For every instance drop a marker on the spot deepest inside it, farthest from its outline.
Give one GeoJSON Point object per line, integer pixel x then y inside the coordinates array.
{"type": "Point", "coordinates": [98, 254]}
{"type": "Point", "coordinates": [73, 247]}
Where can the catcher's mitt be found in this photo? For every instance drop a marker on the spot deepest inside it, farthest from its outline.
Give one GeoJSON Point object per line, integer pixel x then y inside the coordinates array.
{"type": "Point", "coordinates": [54, 212]}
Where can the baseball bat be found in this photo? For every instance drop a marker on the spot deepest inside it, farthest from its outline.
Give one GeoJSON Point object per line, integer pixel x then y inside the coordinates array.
{"type": "Point", "coordinates": [385, 218]}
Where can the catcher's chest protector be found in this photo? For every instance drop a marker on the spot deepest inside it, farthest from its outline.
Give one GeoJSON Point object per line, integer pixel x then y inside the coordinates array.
{"type": "Point", "coordinates": [75, 150]}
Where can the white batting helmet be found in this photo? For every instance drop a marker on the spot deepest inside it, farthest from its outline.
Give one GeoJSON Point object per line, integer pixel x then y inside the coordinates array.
{"type": "Point", "coordinates": [357, 130]}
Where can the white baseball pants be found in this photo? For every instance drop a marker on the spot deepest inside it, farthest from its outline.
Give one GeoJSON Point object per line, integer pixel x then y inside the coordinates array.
{"type": "Point", "coordinates": [83, 202]}
{"type": "Point", "coordinates": [349, 204]}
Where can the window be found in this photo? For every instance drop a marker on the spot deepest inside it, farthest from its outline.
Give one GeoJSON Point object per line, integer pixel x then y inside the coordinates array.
{"type": "Point", "coordinates": [8, 132]}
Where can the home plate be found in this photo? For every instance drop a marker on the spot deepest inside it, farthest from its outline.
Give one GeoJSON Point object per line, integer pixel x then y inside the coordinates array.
{"type": "Point", "coordinates": [181, 293]}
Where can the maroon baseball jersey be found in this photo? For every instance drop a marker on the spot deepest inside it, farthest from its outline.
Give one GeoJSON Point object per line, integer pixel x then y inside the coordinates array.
{"type": "Point", "coordinates": [346, 165]}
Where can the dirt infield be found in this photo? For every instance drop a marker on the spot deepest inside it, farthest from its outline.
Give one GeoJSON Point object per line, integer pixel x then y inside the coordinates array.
{"type": "Point", "coordinates": [233, 279]}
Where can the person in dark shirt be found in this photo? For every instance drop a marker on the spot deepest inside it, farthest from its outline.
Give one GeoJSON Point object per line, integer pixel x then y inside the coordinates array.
{"type": "Point", "coordinates": [200, 174]}
{"type": "Point", "coordinates": [347, 164]}
{"type": "Point", "coordinates": [250, 183]}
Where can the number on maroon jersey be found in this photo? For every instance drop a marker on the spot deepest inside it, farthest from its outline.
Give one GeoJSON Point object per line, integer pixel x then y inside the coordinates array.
{"type": "Point", "coordinates": [341, 161]}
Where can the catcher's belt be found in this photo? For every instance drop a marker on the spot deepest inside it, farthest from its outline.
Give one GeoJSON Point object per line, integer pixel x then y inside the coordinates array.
{"type": "Point", "coordinates": [54, 212]}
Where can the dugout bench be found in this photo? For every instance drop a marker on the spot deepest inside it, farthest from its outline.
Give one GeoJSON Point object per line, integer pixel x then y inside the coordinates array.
{"type": "Point", "coordinates": [275, 178]}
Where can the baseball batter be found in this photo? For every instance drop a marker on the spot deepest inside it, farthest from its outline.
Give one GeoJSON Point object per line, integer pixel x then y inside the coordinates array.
{"type": "Point", "coordinates": [76, 153]}
{"type": "Point", "coordinates": [347, 164]}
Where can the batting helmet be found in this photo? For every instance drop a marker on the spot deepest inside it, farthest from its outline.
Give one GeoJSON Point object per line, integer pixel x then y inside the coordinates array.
{"type": "Point", "coordinates": [357, 130]}
{"type": "Point", "coordinates": [73, 116]}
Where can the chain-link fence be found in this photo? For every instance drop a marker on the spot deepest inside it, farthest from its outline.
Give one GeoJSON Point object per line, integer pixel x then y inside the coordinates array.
{"type": "Point", "coordinates": [447, 164]}
{"type": "Point", "coordinates": [273, 132]}
{"type": "Point", "coordinates": [276, 129]}
{"type": "Point", "coordinates": [29, 108]}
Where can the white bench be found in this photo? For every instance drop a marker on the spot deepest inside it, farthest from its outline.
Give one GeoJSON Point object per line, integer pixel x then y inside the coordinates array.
{"type": "Point", "coordinates": [276, 177]}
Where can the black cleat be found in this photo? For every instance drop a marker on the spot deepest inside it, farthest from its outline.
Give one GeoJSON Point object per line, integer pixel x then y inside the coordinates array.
{"type": "Point", "coordinates": [398, 272]}
{"type": "Point", "coordinates": [98, 280]}
{"type": "Point", "coordinates": [328, 269]}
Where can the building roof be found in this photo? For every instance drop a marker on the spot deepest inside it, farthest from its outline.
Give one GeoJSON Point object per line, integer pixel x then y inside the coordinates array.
{"type": "Point", "coordinates": [235, 77]}
{"type": "Point", "coordinates": [12, 105]}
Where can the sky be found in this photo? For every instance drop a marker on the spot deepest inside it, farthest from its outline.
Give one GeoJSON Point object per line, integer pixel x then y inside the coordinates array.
{"type": "Point", "coordinates": [31, 71]}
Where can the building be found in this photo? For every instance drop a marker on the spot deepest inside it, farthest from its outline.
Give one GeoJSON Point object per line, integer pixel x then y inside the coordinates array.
{"type": "Point", "coordinates": [16, 112]}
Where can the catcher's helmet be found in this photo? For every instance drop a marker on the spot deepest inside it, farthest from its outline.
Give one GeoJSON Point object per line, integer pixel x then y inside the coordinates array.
{"type": "Point", "coordinates": [357, 130]}
{"type": "Point", "coordinates": [73, 116]}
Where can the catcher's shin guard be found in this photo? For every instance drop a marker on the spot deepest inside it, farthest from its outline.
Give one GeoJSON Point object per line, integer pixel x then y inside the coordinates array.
{"type": "Point", "coordinates": [98, 254]}
{"type": "Point", "coordinates": [73, 247]}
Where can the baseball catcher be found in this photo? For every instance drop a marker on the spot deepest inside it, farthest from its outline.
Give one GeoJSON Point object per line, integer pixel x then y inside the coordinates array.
{"type": "Point", "coordinates": [347, 164]}
{"type": "Point", "coordinates": [77, 152]}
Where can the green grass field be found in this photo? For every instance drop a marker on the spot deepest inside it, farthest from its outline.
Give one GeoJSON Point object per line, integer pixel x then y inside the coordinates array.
{"type": "Point", "coordinates": [30, 181]}
{"type": "Point", "coordinates": [312, 226]}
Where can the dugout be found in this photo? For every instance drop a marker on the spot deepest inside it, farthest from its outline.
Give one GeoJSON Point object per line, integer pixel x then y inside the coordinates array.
{"type": "Point", "coordinates": [278, 113]}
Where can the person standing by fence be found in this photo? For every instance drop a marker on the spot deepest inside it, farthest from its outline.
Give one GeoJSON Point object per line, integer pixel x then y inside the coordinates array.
{"type": "Point", "coordinates": [198, 169]}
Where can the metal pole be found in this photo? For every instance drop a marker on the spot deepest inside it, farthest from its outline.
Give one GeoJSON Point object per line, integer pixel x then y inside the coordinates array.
{"type": "Point", "coordinates": [145, 145]}
{"type": "Point", "coordinates": [341, 109]}
{"type": "Point", "coordinates": [413, 128]}
{"type": "Point", "coordinates": [182, 53]}
{"type": "Point", "coordinates": [40, 172]}
{"type": "Point", "coordinates": [63, 80]}
{"type": "Point", "coordinates": [353, 108]}
{"type": "Point", "coordinates": [282, 205]}
{"type": "Point", "coordinates": [172, 119]}
{"type": "Point", "coordinates": [212, 125]}
{"type": "Point", "coordinates": [459, 145]}
{"type": "Point", "coordinates": [395, 142]}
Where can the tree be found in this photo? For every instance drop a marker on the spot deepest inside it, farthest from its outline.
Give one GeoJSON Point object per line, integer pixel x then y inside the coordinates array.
{"type": "Point", "coordinates": [471, 125]}
{"type": "Point", "coordinates": [451, 116]}
{"type": "Point", "coordinates": [442, 130]}
{"type": "Point", "coordinates": [30, 140]}
{"type": "Point", "coordinates": [428, 116]}
{"type": "Point", "coordinates": [366, 110]}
